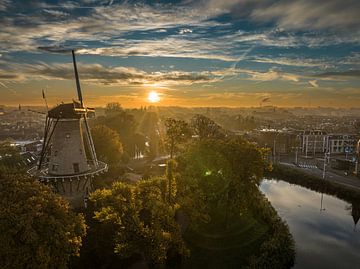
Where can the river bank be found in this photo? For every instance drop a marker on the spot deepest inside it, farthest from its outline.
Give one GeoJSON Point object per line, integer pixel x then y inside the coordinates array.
{"type": "Point", "coordinates": [314, 182]}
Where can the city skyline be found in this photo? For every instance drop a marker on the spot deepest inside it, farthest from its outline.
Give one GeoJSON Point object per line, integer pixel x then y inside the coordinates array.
{"type": "Point", "coordinates": [191, 53]}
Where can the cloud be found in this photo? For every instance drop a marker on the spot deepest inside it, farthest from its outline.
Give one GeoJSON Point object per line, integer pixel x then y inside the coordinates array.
{"type": "Point", "coordinates": [4, 4]}
{"type": "Point", "coordinates": [99, 74]}
{"type": "Point", "coordinates": [352, 59]}
{"type": "Point", "coordinates": [292, 62]}
{"type": "Point", "coordinates": [355, 74]}
{"type": "Point", "coordinates": [104, 75]}
{"type": "Point", "coordinates": [8, 76]}
{"type": "Point", "coordinates": [270, 75]}
{"type": "Point", "coordinates": [107, 25]}
{"type": "Point", "coordinates": [294, 14]}
{"type": "Point", "coordinates": [184, 31]}
{"type": "Point", "coordinates": [56, 13]}
{"type": "Point", "coordinates": [313, 83]}
{"type": "Point", "coordinates": [166, 47]}
{"type": "Point", "coordinates": [55, 49]}
{"type": "Point", "coordinates": [308, 14]}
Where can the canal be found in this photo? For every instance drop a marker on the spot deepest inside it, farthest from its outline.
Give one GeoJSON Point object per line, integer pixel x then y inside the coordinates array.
{"type": "Point", "coordinates": [323, 226]}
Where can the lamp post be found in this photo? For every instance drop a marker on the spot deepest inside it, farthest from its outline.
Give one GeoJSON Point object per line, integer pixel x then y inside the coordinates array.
{"type": "Point", "coordinates": [298, 141]}
{"type": "Point", "coordinates": [357, 157]}
{"type": "Point", "coordinates": [324, 169]}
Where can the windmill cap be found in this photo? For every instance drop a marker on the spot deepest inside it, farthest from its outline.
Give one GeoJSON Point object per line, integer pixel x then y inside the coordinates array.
{"type": "Point", "coordinates": [65, 111]}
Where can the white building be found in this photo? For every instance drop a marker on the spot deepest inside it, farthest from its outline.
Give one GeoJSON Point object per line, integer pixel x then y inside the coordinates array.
{"type": "Point", "coordinates": [317, 142]}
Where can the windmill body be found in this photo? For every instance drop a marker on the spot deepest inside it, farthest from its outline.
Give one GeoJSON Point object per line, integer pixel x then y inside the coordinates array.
{"type": "Point", "coordinates": [67, 155]}
{"type": "Point", "coordinates": [68, 161]}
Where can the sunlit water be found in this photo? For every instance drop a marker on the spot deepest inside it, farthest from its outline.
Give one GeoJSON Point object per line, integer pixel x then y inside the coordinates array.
{"type": "Point", "coordinates": [324, 238]}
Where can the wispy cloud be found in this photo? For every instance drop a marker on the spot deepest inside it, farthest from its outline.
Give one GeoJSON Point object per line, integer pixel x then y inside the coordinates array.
{"type": "Point", "coordinates": [270, 75]}
{"type": "Point", "coordinates": [314, 83]}
{"type": "Point", "coordinates": [293, 62]}
{"type": "Point", "coordinates": [4, 4]}
{"type": "Point", "coordinates": [308, 14]}
{"type": "Point", "coordinates": [99, 74]}
{"type": "Point", "coordinates": [340, 74]}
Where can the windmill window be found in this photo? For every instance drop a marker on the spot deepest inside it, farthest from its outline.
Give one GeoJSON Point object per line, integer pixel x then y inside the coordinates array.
{"type": "Point", "coordinates": [55, 167]}
{"type": "Point", "coordinates": [55, 153]}
{"type": "Point", "coordinates": [80, 151]}
{"type": "Point", "coordinates": [76, 167]}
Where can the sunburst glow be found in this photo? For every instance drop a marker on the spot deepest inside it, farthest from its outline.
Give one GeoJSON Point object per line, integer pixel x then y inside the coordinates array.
{"type": "Point", "coordinates": [153, 97]}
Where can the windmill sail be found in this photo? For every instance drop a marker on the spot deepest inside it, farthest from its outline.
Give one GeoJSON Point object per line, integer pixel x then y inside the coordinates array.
{"type": "Point", "coordinates": [83, 109]}
{"type": "Point", "coordinates": [77, 79]}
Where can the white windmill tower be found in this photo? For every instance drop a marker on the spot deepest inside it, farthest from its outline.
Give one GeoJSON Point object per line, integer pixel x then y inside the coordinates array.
{"type": "Point", "coordinates": [68, 162]}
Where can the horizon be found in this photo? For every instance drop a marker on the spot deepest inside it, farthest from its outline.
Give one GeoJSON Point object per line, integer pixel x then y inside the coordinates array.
{"type": "Point", "coordinates": [149, 105]}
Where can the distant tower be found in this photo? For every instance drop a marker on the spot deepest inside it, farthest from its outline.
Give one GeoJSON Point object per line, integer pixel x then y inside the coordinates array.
{"type": "Point", "coordinates": [66, 163]}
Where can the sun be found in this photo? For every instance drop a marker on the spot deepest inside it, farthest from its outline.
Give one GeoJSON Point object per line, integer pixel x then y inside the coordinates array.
{"type": "Point", "coordinates": [153, 97]}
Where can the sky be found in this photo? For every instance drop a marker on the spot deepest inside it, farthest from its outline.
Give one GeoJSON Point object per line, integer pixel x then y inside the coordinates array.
{"type": "Point", "coordinates": [237, 53]}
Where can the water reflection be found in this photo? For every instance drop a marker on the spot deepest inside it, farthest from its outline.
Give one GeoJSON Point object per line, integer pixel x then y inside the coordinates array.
{"type": "Point", "coordinates": [323, 226]}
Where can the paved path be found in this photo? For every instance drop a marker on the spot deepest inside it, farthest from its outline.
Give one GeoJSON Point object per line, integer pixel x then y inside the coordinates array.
{"type": "Point", "coordinates": [348, 181]}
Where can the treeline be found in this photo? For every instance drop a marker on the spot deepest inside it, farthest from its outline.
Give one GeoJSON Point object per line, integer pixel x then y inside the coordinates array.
{"type": "Point", "coordinates": [120, 135]}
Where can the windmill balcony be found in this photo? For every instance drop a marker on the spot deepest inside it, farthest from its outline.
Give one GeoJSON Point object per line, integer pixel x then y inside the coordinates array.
{"type": "Point", "coordinates": [45, 177]}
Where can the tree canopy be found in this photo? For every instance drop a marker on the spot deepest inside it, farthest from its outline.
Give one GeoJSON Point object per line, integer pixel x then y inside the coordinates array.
{"type": "Point", "coordinates": [221, 173]}
{"type": "Point", "coordinates": [123, 123]}
{"type": "Point", "coordinates": [10, 159]}
{"type": "Point", "coordinates": [37, 227]}
{"type": "Point", "coordinates": [177, 131]}
{"type": "Point", "coordinates": [206, 128]}
{"type": "Point", "coordinates": [107, 144]}
{"type": "Point", "coordinates": [143, 222]}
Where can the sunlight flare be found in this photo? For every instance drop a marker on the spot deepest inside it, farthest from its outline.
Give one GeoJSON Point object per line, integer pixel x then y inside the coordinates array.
{"type": "Point", "coordinates": [153, 97]}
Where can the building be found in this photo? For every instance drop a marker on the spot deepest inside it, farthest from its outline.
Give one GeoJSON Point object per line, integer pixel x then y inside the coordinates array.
{"type": "Point", "coordinates": [342, 143]}
{"type": "Point", "coordinates": [314, 142]}
{"type": "Point", "coordinates": [318, 142]}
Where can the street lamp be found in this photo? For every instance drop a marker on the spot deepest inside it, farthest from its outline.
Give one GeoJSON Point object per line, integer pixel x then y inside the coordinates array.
{"type": "Point", "coordinates": [326, 159]}
{"type": "Point", "coordinates": [357, 157]}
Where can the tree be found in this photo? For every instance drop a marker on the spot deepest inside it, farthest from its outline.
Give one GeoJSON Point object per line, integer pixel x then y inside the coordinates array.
{"type": "Point", "coordinates": [37, 227]}
{"type": "Point", "coordinates": [10, 159]}
{"type": "Point", "coordinates": [143, 222]}
{"type": "Point", "coordinates": [225, 172]}
{"type": "Point", "coordinates": [107, 144]}
{"type": "Point", "coordinates": [170, 175]}
{"type": "Point", "coordinates": [113, 108]}
{"type": "Point", "coordinates": [177, 131]}
{"type": "Point", "coordinates": [123, 123]}
{"type": "Point", "coordinates": [206, 128]}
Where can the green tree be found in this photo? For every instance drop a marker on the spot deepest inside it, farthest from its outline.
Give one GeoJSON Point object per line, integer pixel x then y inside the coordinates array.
{"type": "Point", "coordinates": [143, 222]}
{"type": "Point", "coordinates": [170, 175]}
{"type": "Point", "coordinates": [226, 172]}
{"type": "Point", "coordinates": [107, 144]}
{"type": "Point", "coordinates": [124, 124]}
{"type": "Point", "coordinates": [37, 227]}
{"type": "Point", "coordinates": [10, 159]}
{"type": "Point", "coordinates": [177, 131]}
{"type": "Point", "coordinates": [206, 128]}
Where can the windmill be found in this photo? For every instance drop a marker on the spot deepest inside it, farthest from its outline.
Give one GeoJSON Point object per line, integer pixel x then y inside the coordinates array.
{"type": "Point", "coordinates": [68, 162]}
